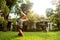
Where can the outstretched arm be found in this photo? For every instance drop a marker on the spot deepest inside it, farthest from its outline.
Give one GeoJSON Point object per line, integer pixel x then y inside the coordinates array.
{"type": "Point", "coordinates": [23, 13]}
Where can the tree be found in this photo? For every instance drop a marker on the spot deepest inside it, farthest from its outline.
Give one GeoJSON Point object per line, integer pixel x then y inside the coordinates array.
{"type": "Point", "coordinates": [5, 7]}
{"type": "Point", "coordinates": [26, 7]}
{"type": "Point", "coordinates": [56, 17]}
{"type": "Point", "coordinates": [22, 5]}
{"type": "Point", "coordinates": [49, 12]}
{"type": "Point", "coordinates": [32, 20]}
{"type": "Point", "coordinates": [11, 3]}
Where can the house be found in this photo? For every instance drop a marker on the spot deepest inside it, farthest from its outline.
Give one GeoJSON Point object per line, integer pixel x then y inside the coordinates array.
{"type": "Point", "coordinates": [44, 25]}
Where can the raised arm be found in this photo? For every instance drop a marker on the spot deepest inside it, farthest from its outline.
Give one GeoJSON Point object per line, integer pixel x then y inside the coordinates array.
{"type": "Point", "coordinates": [22, 14]}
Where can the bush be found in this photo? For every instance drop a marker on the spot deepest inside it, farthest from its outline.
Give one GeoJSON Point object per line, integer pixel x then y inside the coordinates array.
{"type": "Point", "coordinates": [14, 25]}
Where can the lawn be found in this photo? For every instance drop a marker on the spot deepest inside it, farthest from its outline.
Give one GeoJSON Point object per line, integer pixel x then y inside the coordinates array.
{"type": "Point", "coordinates": [30, 36]}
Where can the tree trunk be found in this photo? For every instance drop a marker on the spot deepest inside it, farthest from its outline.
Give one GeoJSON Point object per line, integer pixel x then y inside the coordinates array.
{"type": "Point", "coordinates": [5, 29]}
{"type": "Point", "coordinates": [58, 25]}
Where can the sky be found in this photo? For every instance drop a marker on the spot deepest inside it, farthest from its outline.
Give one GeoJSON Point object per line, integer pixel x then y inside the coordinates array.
{"type": "Point", "coordinates": [40, 6]}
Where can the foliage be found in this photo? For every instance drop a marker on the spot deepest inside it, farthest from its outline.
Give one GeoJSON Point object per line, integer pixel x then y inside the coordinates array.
{"type": "Point", "coordinates": [6, 12]}
{"type": "Point", "coordinates": [49, 12]}
{"type": "Point", "coordinates": [32, 20]}
{"type": "Point", "coordinates": [1, 20]}
{"type": "Point", "coordinates": [57, 13]}
{"type": "Point", "coordinates": [26, 7]}
{"type": "Point", "coordinates": [5, 23]}
{"type": "Point", "coordinates": [21, 5]}
{"type": "Point", "coordinates": [17, 9]}
{"type": "Point", "coordinates": [14, 21]}
{"type": "Point", "coordinates": [2, 4]}
{"type": "Point", "coordinates": [14, 27]}
{"type": "Point", "coordinates": [56, 16]}
{"type": "Point", "coordinates": [11, 3]}
{"type": "Point", "coordinates": [32, 17]}
{"type": "Point", "coordinates": [6, 5]}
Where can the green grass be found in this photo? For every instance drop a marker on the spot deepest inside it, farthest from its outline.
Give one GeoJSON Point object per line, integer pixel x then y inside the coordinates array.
{"type": "Point", "coordinates": [30, 36]}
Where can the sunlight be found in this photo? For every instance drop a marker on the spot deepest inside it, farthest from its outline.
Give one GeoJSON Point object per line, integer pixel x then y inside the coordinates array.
{"type": "Point", "coordinates": [40, 6]}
